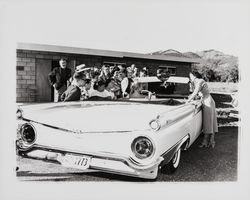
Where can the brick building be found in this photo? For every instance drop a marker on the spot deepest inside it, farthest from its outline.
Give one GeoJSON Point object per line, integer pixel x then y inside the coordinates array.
{"type": "Point", "coordinates": [35, 61]}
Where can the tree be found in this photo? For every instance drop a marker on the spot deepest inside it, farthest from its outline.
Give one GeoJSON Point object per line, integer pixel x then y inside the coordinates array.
{"type": "Point", "coordinates": [222, 70]}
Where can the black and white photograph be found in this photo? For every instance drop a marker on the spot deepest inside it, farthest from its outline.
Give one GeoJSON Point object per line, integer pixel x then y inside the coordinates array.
{"type": "Point", "coordinates": [124, 99]}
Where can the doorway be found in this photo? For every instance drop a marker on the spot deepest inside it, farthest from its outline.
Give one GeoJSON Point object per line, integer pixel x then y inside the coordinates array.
{"type": "Point", "coordinates": [43, 68]}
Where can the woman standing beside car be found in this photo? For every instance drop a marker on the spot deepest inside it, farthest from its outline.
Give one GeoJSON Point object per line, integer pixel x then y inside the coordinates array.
{"type": "Point", "coordinates": [210, 126]}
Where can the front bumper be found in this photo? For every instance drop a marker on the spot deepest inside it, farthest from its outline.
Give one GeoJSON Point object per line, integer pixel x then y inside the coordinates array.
{"type": "Point", "coordinates": [105, 162]}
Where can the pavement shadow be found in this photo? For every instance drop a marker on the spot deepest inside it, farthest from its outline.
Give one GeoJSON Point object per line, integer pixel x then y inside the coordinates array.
{"type": "Point", "coordinates": [78, 176]}
{"type": "Point", "coordinates": [116, 177]}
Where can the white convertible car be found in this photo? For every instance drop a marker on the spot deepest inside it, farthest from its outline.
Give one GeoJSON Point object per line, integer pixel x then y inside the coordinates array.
{"type": "Point", "coordinates": [132, 137]}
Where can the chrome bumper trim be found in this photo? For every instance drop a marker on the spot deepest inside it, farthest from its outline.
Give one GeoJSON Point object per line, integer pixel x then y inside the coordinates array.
{"type": "Point", "coordinates": [101, 161]}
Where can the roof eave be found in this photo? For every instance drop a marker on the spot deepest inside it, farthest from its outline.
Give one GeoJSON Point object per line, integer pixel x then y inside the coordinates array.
{"type": "Point", "coordinates": [98, 52]}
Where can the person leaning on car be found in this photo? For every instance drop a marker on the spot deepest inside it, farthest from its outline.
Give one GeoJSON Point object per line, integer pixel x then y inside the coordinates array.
{"type": "Point", "coordinates": [58, 78]}
{"type": "Point", "coordinates": [209, 117]}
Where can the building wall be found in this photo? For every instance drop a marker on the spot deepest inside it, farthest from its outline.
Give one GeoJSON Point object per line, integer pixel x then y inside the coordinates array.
{"type": "Point", "coordinates": [25, 77]}
{"type": "Point", "coordinates": [27, 62]}
{"type": "Point", "coordinates": [26, 70]}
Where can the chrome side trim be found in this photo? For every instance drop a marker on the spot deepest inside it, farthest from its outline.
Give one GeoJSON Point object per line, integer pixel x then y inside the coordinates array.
{"type": "Point", "coordinates": [179, 119]}
{"type": "Point", "coordinates": [168, 122]}
{"type": "Point", "coordinates": [80, 131]}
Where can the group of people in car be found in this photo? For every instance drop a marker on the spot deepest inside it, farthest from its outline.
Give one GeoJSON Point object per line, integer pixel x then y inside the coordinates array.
{"type": "Point", "coordinates": [114, 82]}
{"type": "Point", "coordinates": [110, 82]}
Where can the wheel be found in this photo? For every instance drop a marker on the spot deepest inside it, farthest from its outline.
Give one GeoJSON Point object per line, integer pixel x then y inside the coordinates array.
{"type": "Point", "coordinates": [173, 164]}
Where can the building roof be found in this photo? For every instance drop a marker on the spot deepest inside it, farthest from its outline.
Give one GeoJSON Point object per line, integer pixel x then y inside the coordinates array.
{"type": "Point", "coordinates": [99, 52]}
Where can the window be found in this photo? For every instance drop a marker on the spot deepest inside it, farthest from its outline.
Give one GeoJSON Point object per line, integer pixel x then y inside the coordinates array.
{"type": "Point", "coordinates": [170, 69]}
{"type": "Point", "coordinates": [113, 63]}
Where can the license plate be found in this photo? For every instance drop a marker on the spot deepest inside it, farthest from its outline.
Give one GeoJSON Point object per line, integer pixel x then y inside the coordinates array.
{"type": "Point", "coordinates": [75, 161]}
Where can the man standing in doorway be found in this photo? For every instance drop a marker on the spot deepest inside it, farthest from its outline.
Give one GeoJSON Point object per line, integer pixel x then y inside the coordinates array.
{"type": "Point", "coordinates": [58, 79]}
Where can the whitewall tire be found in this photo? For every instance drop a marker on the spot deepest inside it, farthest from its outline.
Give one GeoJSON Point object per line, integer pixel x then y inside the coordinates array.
{"type": "Point", "coordinates": [173, 164]}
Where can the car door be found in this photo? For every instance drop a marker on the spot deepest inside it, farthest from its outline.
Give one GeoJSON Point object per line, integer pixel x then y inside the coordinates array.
{"type": "Point", "coordinates": [197, 118]}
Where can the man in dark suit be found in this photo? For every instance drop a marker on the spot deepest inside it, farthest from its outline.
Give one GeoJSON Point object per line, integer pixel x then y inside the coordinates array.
{"type": "Point", "coordinates": [73, 92]}
{"type": "Point", "coordinates": [58, 78]}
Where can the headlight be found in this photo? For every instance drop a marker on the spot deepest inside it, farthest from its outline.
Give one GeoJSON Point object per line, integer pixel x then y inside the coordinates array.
{"type": "Point", "coordinates": [19, 114]}
{"type": "Point", "coordinates": [28, 134]}
{"type": "Point", "coordinates": [142, 147]}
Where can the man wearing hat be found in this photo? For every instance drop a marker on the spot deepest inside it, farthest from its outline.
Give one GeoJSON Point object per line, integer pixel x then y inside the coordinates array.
{"type": "Point", "coordinates": [81, 70]}
{"type": "Point", "coordinates": [58, 78]}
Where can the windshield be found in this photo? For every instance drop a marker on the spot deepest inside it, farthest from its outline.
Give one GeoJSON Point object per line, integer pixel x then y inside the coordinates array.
{"type": "Point", "coordinates": [162, 101]}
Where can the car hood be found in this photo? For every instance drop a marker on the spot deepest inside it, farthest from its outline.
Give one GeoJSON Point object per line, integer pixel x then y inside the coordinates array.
{"type": "Point", "coordinates": [95, 116]}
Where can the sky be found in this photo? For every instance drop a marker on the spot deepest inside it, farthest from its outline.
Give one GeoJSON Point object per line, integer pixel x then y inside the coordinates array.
{"type": "Point", "coordinates": [134, 26]}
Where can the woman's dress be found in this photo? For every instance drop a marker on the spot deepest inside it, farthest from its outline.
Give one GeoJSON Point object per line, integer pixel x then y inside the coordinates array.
{"type": "Point", "coordinates": [210, 124]}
